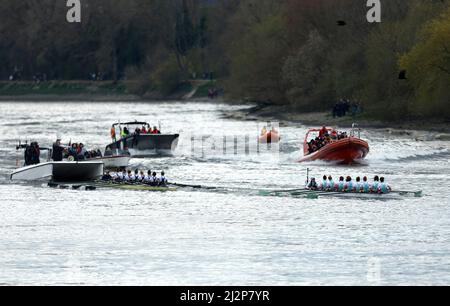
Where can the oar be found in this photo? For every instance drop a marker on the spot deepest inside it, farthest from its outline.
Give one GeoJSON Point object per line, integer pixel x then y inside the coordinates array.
{"type": "Point", "coordinates": [192, 186]}
{"type": "Point", "coordinates": [416, 194]}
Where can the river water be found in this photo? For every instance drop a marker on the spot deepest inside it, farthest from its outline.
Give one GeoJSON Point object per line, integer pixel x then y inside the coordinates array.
{"type": "Point", "coordinates": [229, 236]}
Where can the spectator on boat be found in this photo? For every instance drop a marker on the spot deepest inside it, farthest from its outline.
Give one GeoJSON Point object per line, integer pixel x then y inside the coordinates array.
{"type": "Point", "coordinates": [323, 132]}
{"type": "Point", "coordinates": [57, 151]}
{"type": "Point", "coordinates": [365, 185]}
{"type": "Point", "coordinates": [82, 152]}
{"type": "Point", "coordinates": [341, 185]}
{"type": "Point", "coordinates": [125, 132]}
{"type": "Point", "coordinates": [348, 186]}
{"type": "Point", "coordinates": [113, 134]}
{"type": "Point", "coordinates": [73, 151]}
{"type": "Point", "coordinates": [334, 135]}
{"type": "Point", "coordinates": [375, 184]}
{"type": "Point", "coordinates": [155, 131]}
{"type": "Point", "coordinates": [144, 130]}
{"type": "Point", "coordinates": [313, 185]}
{"type": "Point", "coordinates": [383, 187]}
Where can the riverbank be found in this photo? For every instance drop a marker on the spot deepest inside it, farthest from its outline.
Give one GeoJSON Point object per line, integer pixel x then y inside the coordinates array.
{"type": "Point", "coordinates": [101, 91]}
{"type": "Point", "coordinates": [417, 129]}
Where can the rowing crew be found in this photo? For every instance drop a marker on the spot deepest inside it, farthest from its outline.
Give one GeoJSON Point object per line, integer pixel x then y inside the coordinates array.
{"type": "Point", "coordinates": [137, 176]}
{"type": "Point", "coordinates": [378, 185]}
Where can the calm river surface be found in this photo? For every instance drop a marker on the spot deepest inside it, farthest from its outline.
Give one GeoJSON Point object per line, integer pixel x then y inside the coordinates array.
{"type": "Point", "coordinates": [233, 236]}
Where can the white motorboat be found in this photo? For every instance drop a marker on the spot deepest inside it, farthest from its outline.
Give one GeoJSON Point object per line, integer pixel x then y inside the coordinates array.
{"type": "Point", "coordinates": [64, 171]}
{"type": "Point", "coordinates": [33, 173]}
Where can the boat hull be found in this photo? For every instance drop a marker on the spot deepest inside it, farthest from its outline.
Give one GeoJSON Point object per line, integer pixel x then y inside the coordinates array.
{"type": "Point", "coordinates": [347, 150]}
{"type": "Point", "coordinates": [145, 145]}
{"type": "Point", "coordinates": [77, 171]}
{"type": "Point", "coordinates": [33, 173]}
{"type": "Point", "coordinates": [64, 171]}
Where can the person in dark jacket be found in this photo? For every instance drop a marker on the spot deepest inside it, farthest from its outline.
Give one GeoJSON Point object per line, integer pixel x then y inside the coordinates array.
{"type": "Point", "coordinates": [58, 150]}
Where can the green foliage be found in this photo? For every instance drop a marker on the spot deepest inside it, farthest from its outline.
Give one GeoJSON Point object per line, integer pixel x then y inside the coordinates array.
{"type": "Point", "coordinates": [278, 51]}
{"type": "Point", "coordinates": [428, 69]}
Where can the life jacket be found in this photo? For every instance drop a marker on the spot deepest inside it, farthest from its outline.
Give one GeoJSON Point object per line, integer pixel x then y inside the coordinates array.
{"type": "Point", "coordinates": [113, 133]}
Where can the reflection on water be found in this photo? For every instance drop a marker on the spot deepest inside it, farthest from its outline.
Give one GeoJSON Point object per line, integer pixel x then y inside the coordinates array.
{"type": "Point", "coordinates": [231, 236]}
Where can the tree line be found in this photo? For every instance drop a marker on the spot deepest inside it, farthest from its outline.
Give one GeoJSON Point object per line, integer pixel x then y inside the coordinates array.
{"type": "Point", "coordinates": [306, 54]}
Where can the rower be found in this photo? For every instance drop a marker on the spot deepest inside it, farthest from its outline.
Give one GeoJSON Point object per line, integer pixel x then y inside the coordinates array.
{"type": "Point", "coordinates": [155, 179]}
{"type": "Point", "coordinates": [163, 180]}
{"type": "Point", "coordinates": [358, 185]}
{"type": "Point", "coordinates": [383, 187]}
{"type": "Point", "coordinates": [141, 176]}
{"type": "Point", "coordinates": [324, 184]}
{"type": "Point", "coordinates": [127, 176]}
{"type": "Point", "coordinates": [375, 185]}
{"type": "Point", "coordinates": [120, 176]}
{"type": "Point", "coordinates": [148, 177]}
{"type": "Point", "coordinates": [107, 177]}
{"type": "Point", "coordinates": [330, 185]}
{"type": "Point", "coordinates": [348, 186]}
{"type": "Point", "coordinates": [313, 184]}
{"type": "Point", "coordinates": [365, 185]}
{"type": "Point", "coordinates": [132, 176]}
{"type": "Point", "coordinates": [340, 185]}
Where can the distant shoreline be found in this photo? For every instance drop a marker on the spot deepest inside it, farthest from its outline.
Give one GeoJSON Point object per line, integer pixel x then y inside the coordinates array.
{"type": "Point", "coordinates": [89, 91]}
{"type": "Point", "coordinates": [417, 129]}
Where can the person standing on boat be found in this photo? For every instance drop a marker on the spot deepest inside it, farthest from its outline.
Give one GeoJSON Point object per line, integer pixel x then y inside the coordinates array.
{"type": "Point", "coordinates": [323, 132]}
{"type": "Point", "coordinates": [113, 134]}
{"type": "Point", "coordinates": [57, 151]}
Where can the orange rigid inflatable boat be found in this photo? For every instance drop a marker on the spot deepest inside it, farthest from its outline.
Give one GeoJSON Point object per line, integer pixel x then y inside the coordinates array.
{"type": "Point", "coordinates": [347, 150]}
{"type": "Point", "coordinates": [270, 137]}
